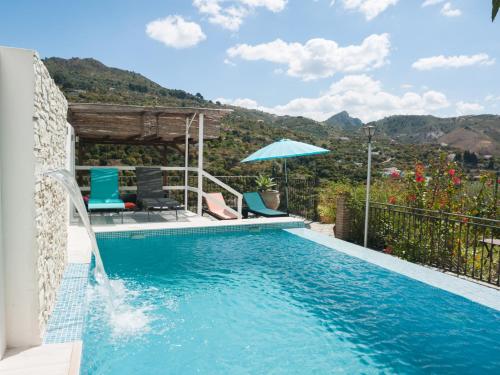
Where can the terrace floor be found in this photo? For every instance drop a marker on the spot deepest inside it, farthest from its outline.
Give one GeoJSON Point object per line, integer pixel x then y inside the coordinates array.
{"type": "Point", "coordinates": [54, 359]}
{"type": "Point", "coordinates": [112, 219]}
{"type": "Point", "coordinates": [167, 220]}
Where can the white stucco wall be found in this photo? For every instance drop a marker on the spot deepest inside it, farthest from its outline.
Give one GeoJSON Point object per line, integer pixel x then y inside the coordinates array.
{"type": "Point", "coordinates": [34, 213]}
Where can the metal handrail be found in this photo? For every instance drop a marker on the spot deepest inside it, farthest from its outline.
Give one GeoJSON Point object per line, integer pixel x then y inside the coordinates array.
{"type": "Point", "coordinates": [228, 188]}
{"type": "Point", "coordinates": [427, 211]}
{"type": "Point", "coordinates": [133, 168]}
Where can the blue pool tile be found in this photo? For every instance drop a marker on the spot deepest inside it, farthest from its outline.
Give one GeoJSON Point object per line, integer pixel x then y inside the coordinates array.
{"type": "Point", "coordinates": [67, 319]}
{"type": "Point", "coordinates": [199, 230]}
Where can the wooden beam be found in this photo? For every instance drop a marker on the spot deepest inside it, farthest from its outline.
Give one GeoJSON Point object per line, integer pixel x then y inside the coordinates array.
{"type": "Point", "coordinates": [154, 142]}
{"type": "Point", "coordinates": [124, 109]}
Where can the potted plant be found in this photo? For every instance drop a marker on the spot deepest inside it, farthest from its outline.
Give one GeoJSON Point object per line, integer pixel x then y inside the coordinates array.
{"type": "Point", "coordinates": [265, 186]}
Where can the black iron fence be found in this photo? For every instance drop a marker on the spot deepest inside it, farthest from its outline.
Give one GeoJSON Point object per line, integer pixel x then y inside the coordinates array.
{"type": "Point", "coordinates": [302, 192]}
{"type": "Point", "coordinates": [465, 245]}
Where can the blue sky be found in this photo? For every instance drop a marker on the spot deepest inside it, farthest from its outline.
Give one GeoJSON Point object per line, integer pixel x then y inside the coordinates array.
{"type": "Point", "coordinates": [372, 58]}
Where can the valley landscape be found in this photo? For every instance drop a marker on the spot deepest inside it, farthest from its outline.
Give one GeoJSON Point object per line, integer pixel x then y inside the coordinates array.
{"type": "Point", "coordinates": [249, 187]}
{"type": "Point", "coordinates": [400, 142]}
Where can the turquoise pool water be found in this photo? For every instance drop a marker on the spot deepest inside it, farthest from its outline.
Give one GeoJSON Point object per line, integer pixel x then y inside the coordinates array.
{"type": "Point", "coordinates": [270, 302]}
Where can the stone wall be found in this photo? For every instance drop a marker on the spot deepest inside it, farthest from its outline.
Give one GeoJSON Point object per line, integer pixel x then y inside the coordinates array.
{"type": "Point", "coordinates": [51, 204]}
{"type": "Point", "coordinates": [343, 218]}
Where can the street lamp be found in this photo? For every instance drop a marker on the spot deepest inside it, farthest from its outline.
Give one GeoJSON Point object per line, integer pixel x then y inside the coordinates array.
{"type": "Point", "coordinates": [369, 131]}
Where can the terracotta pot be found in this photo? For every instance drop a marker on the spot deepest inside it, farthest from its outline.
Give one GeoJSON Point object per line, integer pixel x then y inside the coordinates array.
{"type": "Point", "coordinates": [271, 199]}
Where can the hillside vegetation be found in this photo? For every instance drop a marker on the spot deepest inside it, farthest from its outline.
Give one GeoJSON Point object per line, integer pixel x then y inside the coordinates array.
{"type": "Point", "coordinates": [479, 134]}
{"type": "Point", "coordinates": [243, 131]}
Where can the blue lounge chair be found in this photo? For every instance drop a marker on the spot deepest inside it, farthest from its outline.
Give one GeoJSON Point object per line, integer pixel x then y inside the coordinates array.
{"type": "Point", "coordinates": [256, 206]}
{"type": "Point", "coordinates": [104, 193]}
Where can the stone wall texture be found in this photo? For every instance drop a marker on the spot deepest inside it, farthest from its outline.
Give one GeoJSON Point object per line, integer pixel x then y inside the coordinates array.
{"type": "Point", "coordinates": [51, 203]}
{"type": "Point", "coordinates": [343, 218]}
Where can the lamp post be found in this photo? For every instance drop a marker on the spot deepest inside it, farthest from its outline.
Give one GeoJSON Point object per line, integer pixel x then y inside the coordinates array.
{"type": "Point", "coordinates": [369, 131]}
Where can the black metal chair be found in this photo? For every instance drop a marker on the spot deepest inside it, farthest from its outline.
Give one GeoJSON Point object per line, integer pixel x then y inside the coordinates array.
{"type": "Point", "coordinates": [150, 193]}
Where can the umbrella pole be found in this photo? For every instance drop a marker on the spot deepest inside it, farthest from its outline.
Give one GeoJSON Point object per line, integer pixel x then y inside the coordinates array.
{"type": "Point", "coordinates": [286, 187]}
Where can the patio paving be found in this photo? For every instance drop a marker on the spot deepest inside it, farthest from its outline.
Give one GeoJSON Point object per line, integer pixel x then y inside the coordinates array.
{"type": "Point", "coordinates": [326, 229]}
{"type": "Point", "coordinates": [142, 218]}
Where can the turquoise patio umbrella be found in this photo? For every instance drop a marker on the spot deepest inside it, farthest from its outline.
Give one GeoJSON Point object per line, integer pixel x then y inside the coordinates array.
{"type": "Point", "coordinates": [284, 149]}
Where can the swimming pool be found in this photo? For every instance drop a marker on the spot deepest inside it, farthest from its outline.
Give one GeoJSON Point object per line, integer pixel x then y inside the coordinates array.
{"type": "Point", "coordinates": [271, 302]}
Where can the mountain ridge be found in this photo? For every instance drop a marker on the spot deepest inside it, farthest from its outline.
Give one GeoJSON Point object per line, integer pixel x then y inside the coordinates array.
{"type": "Point", "coordinates": [343, 121]}
{"type": "Point", "coordinates": [87, 79]}
{"type": "Point", "coordinates": [243, 131]}
{"type": "Point", "coordinates": [476, 133]}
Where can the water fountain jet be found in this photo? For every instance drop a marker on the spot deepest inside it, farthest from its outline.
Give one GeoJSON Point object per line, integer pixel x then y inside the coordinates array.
{"type": "Point", "coordinates": [67, 180]}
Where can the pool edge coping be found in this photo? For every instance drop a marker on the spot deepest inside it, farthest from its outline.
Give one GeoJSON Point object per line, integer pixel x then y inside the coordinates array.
{"type": "Point", "coordinates": [475, 292]}
{"type": "Point", "coordinates": [194, 225]}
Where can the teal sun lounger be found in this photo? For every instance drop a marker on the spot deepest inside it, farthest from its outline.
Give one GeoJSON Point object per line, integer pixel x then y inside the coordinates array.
{"type": "Point", "coordinates": [256, 206]}
{"type": "Point", "coordinates": [104, 193]}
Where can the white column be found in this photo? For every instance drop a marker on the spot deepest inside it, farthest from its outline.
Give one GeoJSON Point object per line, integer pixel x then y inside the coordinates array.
{"type": "Point", "coordinates": [2, 282]}
{"type": "Point", "coordinates": [368, 181]}
{"type": "Point", "coordinates": [186, 165]}
{"type": "Point", "coordinates": [70, 166]}
{"type": "Point", "coordinates": [200, 163]}
{"type": "Point", "coordinates": [17, 164]}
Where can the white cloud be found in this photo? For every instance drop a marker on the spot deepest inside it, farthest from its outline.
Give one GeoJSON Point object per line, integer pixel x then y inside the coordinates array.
{"type": "Point", "coordinates": [272, 5]}
{"type": "Point", "coordinates": [492, 98]}
{"type": "Point", "coordinates": [464, 108]}
{"type": "Point", "coordinates": [318, 58]}
{"type": "Point", "coordinates": [361, 96]}
{"type": "Point", "coordinates": [370, 8]}
{"type": "Point", "coordinates": [461, 61]}
{"type": "Point", "coordinates": [230, 14]}
{"type": "Point", "coordinates": [175, 31]}
{"type": "Point", "coordinates": [448, 10]}
{"type": "Point", "coordinates": [240, 102]}
{"type": "Point", "coordinates": [427, 3]}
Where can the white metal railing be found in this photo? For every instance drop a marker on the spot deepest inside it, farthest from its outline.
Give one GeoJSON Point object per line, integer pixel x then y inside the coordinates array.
{"type": "Point", "coordinates": [185, 187]}
{"type": "Point", "coordinates": [229, 189]}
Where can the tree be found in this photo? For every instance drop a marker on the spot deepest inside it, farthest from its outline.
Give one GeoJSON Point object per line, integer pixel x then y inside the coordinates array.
{"type": "Point", "coordinates": [496, 6]}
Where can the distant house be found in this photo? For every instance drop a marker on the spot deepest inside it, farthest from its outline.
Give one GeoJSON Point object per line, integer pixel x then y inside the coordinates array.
{"type": "Point", "coordinates": [387, 172]}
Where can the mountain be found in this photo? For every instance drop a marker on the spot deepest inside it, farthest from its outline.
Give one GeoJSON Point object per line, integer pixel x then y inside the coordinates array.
{"type": "Point", "coordinates": [243, 131]}
{"type": "Point", "coordinates": [90, 80]}
{"type": "Point", "coordinates": [479, 134]}
{"type": "Point", "coordinates": [343, 121]}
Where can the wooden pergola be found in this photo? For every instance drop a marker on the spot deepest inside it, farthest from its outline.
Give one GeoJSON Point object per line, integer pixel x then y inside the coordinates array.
{"type": "Point", "coordinates": [136, 125]}
{"type": "Point", "coordinates": [97, 123]}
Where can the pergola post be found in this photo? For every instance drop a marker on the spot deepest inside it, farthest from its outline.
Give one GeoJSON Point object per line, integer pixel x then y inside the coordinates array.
{"type": "Point", "coordinates": [200, 162]}
{"type": "Point", "coordinates": [186, 165]}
